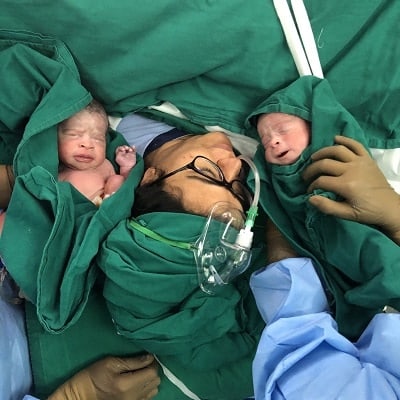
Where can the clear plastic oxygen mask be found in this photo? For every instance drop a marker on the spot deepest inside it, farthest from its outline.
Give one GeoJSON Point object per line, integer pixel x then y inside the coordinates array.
{"type": "Point", "coordinates": [223, 250]}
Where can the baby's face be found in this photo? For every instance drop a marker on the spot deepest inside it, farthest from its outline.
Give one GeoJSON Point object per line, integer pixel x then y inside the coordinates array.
{"type": "Point", "coordinates": [283, 136]}
{"type": "Point", "coordinates": [82, 140]}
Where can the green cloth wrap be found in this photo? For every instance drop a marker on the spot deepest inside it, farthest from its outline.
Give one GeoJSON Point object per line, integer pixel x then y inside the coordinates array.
{"type": "Point", "coordinates": [154, 296]}
{"type": "Point", "coordinates": [216, 60]}
{"type": "Point", "coordinates": [58, 229]}
{"type": "Point", "coordinates": [357, 262]}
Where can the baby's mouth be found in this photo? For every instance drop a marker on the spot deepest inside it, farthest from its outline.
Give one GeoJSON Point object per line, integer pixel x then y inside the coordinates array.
{"type": "Point", "coordinates": [283, 154]}
{"type": "Point", "coordinates": [83, 158]}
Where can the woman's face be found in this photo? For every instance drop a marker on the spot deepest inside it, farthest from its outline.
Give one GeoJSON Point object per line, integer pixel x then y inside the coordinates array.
{"type": "Point", "coordinates": [199, 194]}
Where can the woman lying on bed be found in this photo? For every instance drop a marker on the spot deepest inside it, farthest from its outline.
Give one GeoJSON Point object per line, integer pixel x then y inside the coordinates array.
{"type": "Point", "coordinates": [172, 158]}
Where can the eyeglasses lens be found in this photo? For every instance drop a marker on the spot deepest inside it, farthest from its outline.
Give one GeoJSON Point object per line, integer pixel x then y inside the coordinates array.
{"type": "Point", "coordinates": [212, 171]}
{"type": "Point", "coordinates": [208, 169]}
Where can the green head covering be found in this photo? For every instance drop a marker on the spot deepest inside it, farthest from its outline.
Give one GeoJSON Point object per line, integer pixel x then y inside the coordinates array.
{"type": "Point", "coordinates": [313, 100]}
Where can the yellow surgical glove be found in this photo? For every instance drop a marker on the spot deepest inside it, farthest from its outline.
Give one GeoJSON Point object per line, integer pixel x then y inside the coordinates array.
{"type": "Point", "coordinates": [348, 170]}
{"type": "Point", "coordinates": [113, 378]}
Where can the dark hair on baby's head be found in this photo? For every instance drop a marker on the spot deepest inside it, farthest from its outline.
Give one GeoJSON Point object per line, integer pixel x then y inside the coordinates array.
{"type": "Point", "coordinates": [96, 107]}
{"type": "Point", "coordinates": [152, 197]}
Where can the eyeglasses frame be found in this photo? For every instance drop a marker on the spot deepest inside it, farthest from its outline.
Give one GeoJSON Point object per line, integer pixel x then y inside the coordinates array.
{"type": "Point", "coordinates": [223, 182]}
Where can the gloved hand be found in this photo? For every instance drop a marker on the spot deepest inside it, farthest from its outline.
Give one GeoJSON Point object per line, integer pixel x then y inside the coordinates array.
{"type": "Point", "coordinates": [6, 184]}
{"type": "Point", "coordinates": [113, 378]}
{"type": "Point", "coordinates": [348, 170]}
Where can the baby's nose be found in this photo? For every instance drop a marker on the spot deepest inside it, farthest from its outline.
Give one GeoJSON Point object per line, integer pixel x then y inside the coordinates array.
{"type": "Point", "coordinates": [86, 143]}
{"type": "Point", "coordinates": [275, 140]}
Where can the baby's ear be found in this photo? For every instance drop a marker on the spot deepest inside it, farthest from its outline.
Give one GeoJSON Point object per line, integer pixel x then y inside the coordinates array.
{"type": "Point", "coordinates": [150, 175]}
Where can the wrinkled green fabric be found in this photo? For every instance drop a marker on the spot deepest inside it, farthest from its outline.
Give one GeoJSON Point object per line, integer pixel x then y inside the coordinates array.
{"type": "Point", "coordinates": [156, 305]}
{"type": "Point", "coordinates": [216, 60]}
{"type": "Point", "coordinates": [358, 263]}
{"type": "Point", "coordinates": [154, 296]}
{"type": "Point", "coordinates": [32, 77]}
{"type": "Point", "coordinates": [94, 336]}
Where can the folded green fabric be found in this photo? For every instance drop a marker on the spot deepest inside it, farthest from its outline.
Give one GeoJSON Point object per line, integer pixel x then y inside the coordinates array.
{"type": "Point", "coordinates": [55, 358]}
{"type": "Point", "coordinates": [216, 60]}
{"type": "Point", "coordinates": [357, 262]}
{"type": "Point", "coordinates": [154, 297]}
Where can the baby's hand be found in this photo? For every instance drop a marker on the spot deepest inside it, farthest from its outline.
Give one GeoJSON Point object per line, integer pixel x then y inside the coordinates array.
{"type": "Point", "coordinates": [125, 156]}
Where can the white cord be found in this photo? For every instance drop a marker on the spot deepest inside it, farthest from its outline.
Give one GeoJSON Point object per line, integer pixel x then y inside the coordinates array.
{"type": "Point", "coordinates": [177, 382]}
{"type": "Point", "coordinates": [292, 37]}
{"type": "Point", "coordinates": [307, 37]}
{"type": "Point", "coordinates": [299, 37]}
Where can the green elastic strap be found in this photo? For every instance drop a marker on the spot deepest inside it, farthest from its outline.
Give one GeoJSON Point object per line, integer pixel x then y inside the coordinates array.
{"type": "Point", "coordinates": [154, 235]}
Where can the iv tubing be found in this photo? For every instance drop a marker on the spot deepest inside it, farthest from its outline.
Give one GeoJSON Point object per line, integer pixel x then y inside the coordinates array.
{"type": "Point", "coordinates": [245, 237]}
{"type": "Point", "coordinates": [253, 167]}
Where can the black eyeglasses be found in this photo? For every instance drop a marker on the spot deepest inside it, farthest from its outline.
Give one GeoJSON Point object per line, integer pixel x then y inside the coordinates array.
{"type": "Point", "coordinates": [208, 169]}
